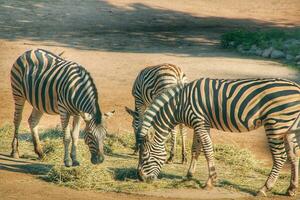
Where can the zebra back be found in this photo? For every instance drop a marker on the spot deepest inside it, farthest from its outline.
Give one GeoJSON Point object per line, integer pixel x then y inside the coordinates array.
{"type": "Point", "coordinates": [155, 80]}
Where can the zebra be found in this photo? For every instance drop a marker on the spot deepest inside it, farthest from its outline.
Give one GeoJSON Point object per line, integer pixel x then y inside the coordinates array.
{"type": "Point", "coordinates": [150, 83]}
{"type": "Point", "coordinates": [56, 86]}
{"type": "Point", "coordinates": [238, 105]}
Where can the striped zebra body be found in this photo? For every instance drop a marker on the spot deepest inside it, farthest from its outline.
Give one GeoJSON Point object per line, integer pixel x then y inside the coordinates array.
{"type": "Point", "coordinates": [56, 86]}
{"type": "Point", "coordinates": [150, 83]}
{"type": "Point", "coordinates": [228, 105]}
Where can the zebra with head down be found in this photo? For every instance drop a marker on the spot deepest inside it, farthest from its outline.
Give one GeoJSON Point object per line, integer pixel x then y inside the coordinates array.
{"type": "Point", "coordinates": [149, 84]}
{"type": "Point", "coordinates": [56, 86]}
{"type": "Point", "coordinates": [228, 105]}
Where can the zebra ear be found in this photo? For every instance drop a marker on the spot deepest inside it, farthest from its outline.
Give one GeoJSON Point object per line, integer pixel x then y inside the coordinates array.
{"type": "Point", "coordinates": [108, 115]}
{"type": "Point", "coordinates": [130, 112]}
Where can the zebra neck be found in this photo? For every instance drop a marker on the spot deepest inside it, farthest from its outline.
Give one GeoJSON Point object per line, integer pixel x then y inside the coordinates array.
{"type": "Point", "coordinates": [161, 116]}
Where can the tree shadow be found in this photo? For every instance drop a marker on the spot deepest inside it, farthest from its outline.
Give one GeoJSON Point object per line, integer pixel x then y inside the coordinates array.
{"type": "Point", "coordinates": [100, 25]}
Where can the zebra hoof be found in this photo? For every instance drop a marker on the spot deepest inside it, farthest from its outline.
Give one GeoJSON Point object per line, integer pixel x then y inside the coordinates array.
{"type": "Point", "coordinates": [189, 176]}
{"type": "Point", "coordinates": [15, 155]}
{"type": "Point", "coordinates": [68, 163]}
{"type": "Point", "coordinates": [184, 161]}
{"type": "Point", "coordinates": [261, 193]}
{"type": "Point", "coordinates": [75, 163]}
{"type": "Point", "coordinates": [291, 191]}
{"type": "Point", "coordinates": [208, 187]}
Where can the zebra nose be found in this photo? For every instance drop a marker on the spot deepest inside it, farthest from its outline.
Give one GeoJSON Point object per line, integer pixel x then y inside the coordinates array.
{"type": "Point", "coordinates": [140, 175]}
{"type": "Point", "coordinates": [150, 178]}
{"type": "Point", "coordinates": [97, 159]}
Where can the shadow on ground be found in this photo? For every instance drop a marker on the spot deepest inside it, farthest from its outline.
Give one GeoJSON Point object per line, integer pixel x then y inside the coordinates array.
{"type": "Point", "coordinates": [23, 166]}
{"type": "Point", "coordinates": [99, 25]}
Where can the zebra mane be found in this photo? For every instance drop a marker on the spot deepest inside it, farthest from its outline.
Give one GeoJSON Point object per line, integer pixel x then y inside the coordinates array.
{"type": "Point", "coordinates": [158, 103]}
{"type": "Point", "coordinates": [98, 115]}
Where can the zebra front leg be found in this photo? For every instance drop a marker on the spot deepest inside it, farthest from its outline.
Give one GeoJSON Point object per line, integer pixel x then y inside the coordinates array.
{"type": "Point", "coordinates": [195, 154]}
{"type": "Point", "coordinates": [279, 156]}
{"type": "Point", "coordinates": [33, 121]}
{"type": "Point", "coordinates": [75, 135]}
{"type": "Point", "coordinates": [183, 140]}
{"type": "Point", "coordinates": [173, 146]}
{"type": "Point", "coordinates": [65, 117]}
{"type": "Point", "coordinates": [19, 106]}
{"type": "Point", "coordinates": [292, 147]}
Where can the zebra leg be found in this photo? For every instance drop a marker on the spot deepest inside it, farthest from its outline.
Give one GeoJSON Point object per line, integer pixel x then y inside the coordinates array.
{"type": "Point", "coordinates": [75, 135]}
{"type": "Point", "coordinates": [19, 106]}
{"type": "Point", "coordinates": [136, 146]}
{"type": "Point", "coordinates": [33, 121]}
{"type": "Point", "coordinates": [173, 146]}
{"type": "Point", "coordinates": [208, 152]}
{"type": "Point", "coordinates": [183, 140]}
{"type": "Point", "coordinates": [195, 154]}
{"type": "Point", "coordinates": [292, 145]}
{"type": "Point", "coordinates": [65, 117]}
{"type": "Point", "coordinates": [279, 156]}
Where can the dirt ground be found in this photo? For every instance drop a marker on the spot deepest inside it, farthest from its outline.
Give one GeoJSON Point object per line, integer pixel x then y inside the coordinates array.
{"type": "Point", "coordinates": [114, 40]}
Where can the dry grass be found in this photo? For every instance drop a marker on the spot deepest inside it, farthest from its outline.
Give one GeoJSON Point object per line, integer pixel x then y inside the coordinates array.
{"type": "Point", "coordinates": [237, 168]}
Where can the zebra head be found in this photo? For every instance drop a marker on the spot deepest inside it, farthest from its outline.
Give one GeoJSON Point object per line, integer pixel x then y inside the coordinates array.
{"type": "Point", "coordinates": [94, 135]}
{"type": "Point", "coordinates": [152, 156]}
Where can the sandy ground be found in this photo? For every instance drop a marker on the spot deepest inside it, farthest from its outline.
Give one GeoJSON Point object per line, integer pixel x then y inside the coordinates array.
{"type": "Point", "coordinates": [114, 40]}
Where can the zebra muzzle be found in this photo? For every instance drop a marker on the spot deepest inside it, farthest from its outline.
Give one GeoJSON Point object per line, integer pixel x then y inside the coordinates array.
{"type": "Point", "coordinates": [97, 159]}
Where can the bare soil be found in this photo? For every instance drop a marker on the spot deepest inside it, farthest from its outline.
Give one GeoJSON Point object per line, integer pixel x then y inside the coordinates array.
{"type": "Point", "coordinates": [114, 40]}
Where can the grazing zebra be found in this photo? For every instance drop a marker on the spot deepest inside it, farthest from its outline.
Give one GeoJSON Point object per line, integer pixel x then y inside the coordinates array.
{"type": "Point", "coordinates": [228, 105]}
{"type": "Point", "coordinates": [56, 86]}
{"type": "Point", "coordinates": [150, 83]}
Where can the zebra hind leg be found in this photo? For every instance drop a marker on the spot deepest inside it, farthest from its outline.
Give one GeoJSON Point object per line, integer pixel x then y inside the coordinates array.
{"type": "Point", "coordinates": [75, 135]}
{"type": "Point", "coordinates": [33, 121]}
{"type": "Point", "coordinates": [292, 145]}
{"type": "Point", "coordinates": [19, 106]}
{"type": "Point", "coordinates": [183, 140]}
{"type": "Point", "coordinates": [195, 154]}
{"type": "Point", "coordinates": [279, 156]}
{"type": "Point", "coordinates": [173, 146]}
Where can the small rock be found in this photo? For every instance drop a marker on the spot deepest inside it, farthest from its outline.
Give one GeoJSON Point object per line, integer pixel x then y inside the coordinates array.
{"type": "Point", "coordinates": [277, 54]}
{"type": "Point", "coordinates": [258, 52]}
{"type": "Point", "coordinates": [297, 58]}
{"type": "Point", "coordinates": [267, 52]}
{"type": "Point", "coordinates": [253, 49]}
{"type": "Point", "coordinates": [240, 48]}
{"type": "Point", "coordinates": [289, 57]}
